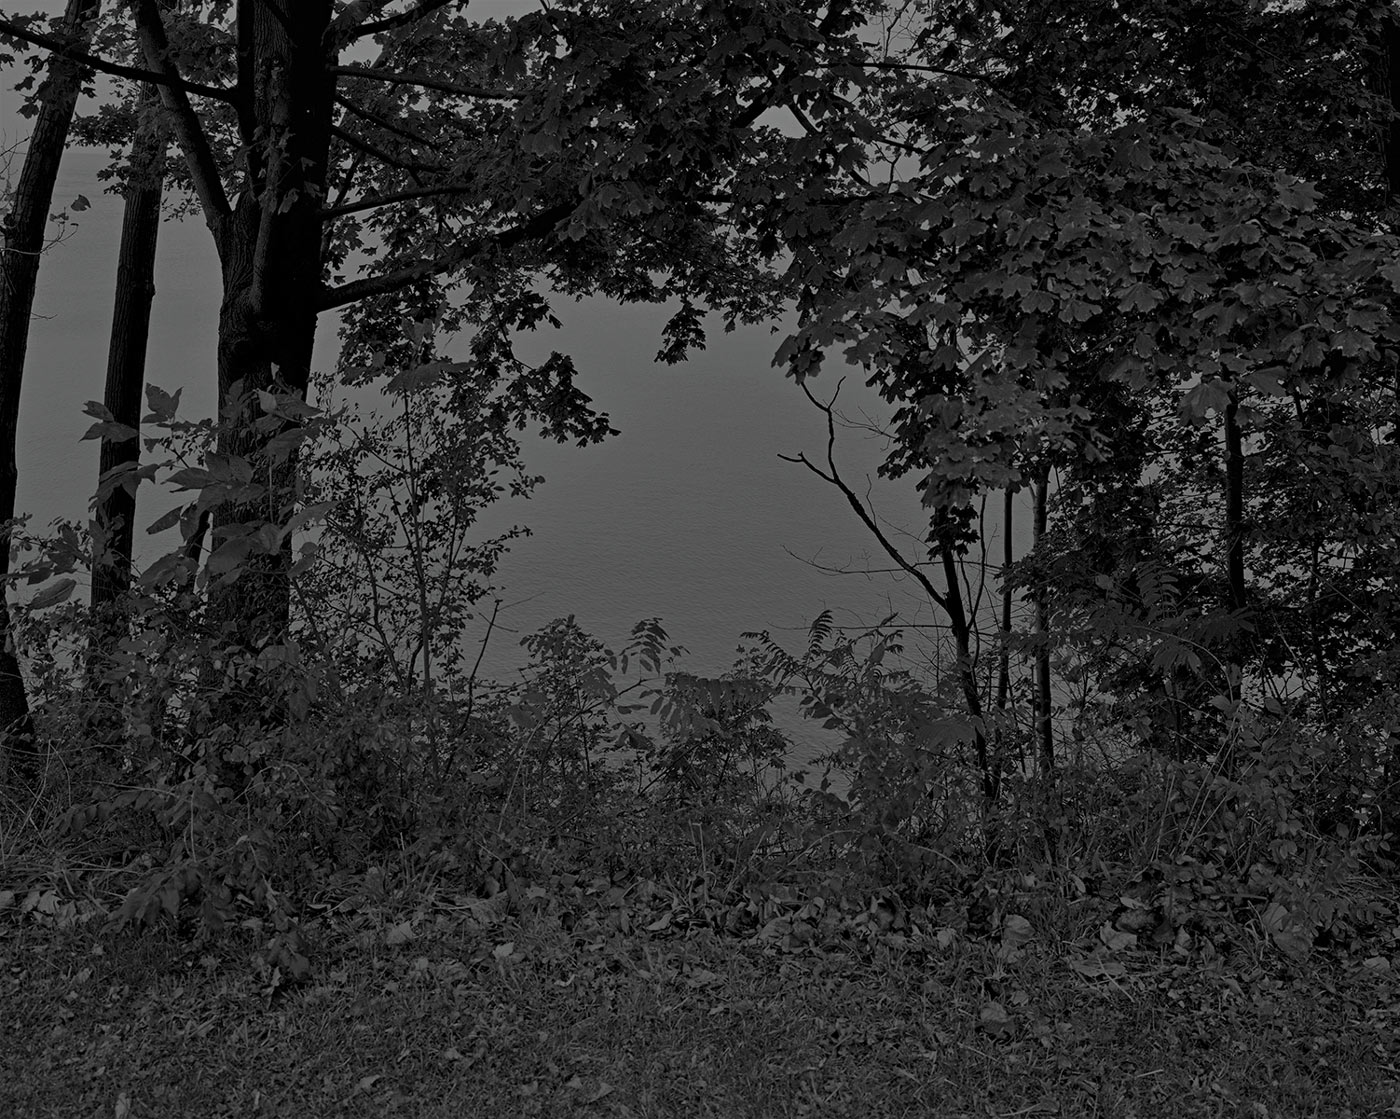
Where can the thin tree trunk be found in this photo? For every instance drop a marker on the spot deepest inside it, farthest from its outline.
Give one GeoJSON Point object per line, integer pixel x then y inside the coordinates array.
{"type": "Point", "coordinates": [1388, 63]}
{"type": "Point", "coordinates": [960, 626]}
{"type": "Point", "coordinates": [1044, 725]}
{"type": "Point", "coordinates": [1008, 555]}
{"type": "Point", "coordinates": [1388, 66]}
{"type": "Point", "coordinates": [126, 355]}
{"type": "Point", "coordinates": [1234, 534]}
{"type": "Point", "coordinates": [23, 237]}
{"type": "Point", "coordinates": [114, 512]}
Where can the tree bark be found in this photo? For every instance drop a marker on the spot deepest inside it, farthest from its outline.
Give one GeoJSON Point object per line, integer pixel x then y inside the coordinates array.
{"type": "Point", "coordinates": [114, 511]}
{"type": "Point", "coordinates": [1008, 556]}
{"type": "Point", "coordinates": [126, 356]}
{"type": "Point", "coordinates": [23, 236]}
{"type": "Point", "coordinates": [1234, 536]}
{"type": "Point", "coordinates": [960, 625]}
{"type": "Point", "coordinates": [1388, 59]}
{"type": "Point", "coordinates": [270, 251]}
{"type": "Point", "coordinates": [1044, 724]}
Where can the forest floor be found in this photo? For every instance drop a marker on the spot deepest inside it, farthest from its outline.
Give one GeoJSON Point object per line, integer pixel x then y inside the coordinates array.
{"type": "Point", "coordinates": [580, 998]}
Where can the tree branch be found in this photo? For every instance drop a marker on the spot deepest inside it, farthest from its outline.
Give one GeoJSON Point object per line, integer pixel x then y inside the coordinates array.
{"type": "Point", "coordinates": [765, 99]}
{"type": "Point", "coordinates": [194, 143]}
{"type": "Point", "coordinates": [834, 478]}
{"type": "Point", "coordinates": [529, 229]}
{"type": "Point", "coordinates": [380, 120]}
{"type": "Point", "coordinates": [913, 67]}
{"type": "Point", "coordinates": [425, 82]}
{"type": "Point", "coordinates": [341, 209]}
{"type": "Point", "coordinates": [344, 26]}
{"type": "Point", "coordinates": [361, 144]}
{"type": "Point", "coordinates": [389, 23]}
{"type": "Point", "coordinates": [247, 118]}
{"type": "Point", "coordinates": [116, 69]}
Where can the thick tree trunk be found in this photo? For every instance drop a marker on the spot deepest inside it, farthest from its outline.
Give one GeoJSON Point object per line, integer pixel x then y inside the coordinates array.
{"type": "Point", "coordinates": [270, 251]}
{"type": "Point", "coordinates": [256, 353]}
{"type": "Point", "coordinates": [23, 230]}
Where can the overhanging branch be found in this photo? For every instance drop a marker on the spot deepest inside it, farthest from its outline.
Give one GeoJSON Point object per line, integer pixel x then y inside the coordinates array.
{"type": "Point", "coordinates": [531, 228]}
{"type": "Point", "coordinates": [380, 120]}
{"type": "Point", "coordinates": [425, 82]}
{"type": "Point", "coordinates": [389, 23]}
{"type": "Point", "coordinates": [388, 159]}
{"type": "Point", "coordinates": [116, 69]}
{"type": "Point", "coordinates": [341, 209]}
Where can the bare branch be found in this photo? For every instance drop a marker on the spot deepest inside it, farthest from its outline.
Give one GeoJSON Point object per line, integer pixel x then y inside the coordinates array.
{"type": "Point", "coordinates": [534, 227]}
{"type": "Point", "coordinates": [833, 477]}
{"type": "Point", "coordinates": [425, 82]}
{"type": "Point", "coordinates": [116, 69]}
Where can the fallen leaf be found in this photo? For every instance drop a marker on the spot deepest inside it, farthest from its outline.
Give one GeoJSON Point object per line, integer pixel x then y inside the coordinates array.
{"type": "Point", "coordinates": [1116, 940]}
{"type": "Point", "coordinates": [123, 1108]}
{"type": "Point", "coordinates": [1094, 968]}
{"type": "Point", "coordinates": [995, 1020]}
{"type": "Point", "coordinates": [501, 951]}
{"type": "Point", "coordinates": [1016, 931]}
{"type": "Point", "coordinates": [401, 933]}
{"type": "Point", "coordinates": [700, 977]}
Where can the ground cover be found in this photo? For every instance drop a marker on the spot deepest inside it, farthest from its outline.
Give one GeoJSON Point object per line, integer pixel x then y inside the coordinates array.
{"type": "Point", "coordinates": [602, 997]}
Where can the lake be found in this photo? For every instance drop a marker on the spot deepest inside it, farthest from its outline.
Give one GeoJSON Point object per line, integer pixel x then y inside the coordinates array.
{"type": "Point", "coordinates": [687, 515]}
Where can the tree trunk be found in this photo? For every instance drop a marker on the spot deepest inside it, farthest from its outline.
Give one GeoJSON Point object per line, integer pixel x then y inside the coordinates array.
{"type": "Point", "coordinates": [1388, 63]}
{"type": "Point", "coordinates": [269, 241]}
{"type": "Point", "coordinates": [961, 627]}
{"type": "Point", "coordinates": [1044, 725]}
{"type": "Point", "coordinates": [114, 511]}
{"type": "Point", "coordinates": [269, 245]}
{"type": "Point", "coordinates": [1008, 555]}
{"type": "Point", "coordinates": [270, 251]}
{"type": "Point", "coordinates": [1234, 536]}
{"type": "Point", "coordinates": [126, 358]}
{"type": "Point", "coordinates": [23, 230]}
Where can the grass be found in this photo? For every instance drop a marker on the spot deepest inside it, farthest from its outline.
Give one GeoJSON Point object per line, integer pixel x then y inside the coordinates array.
{"type": "Point", "coordinates": [633, 999]}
